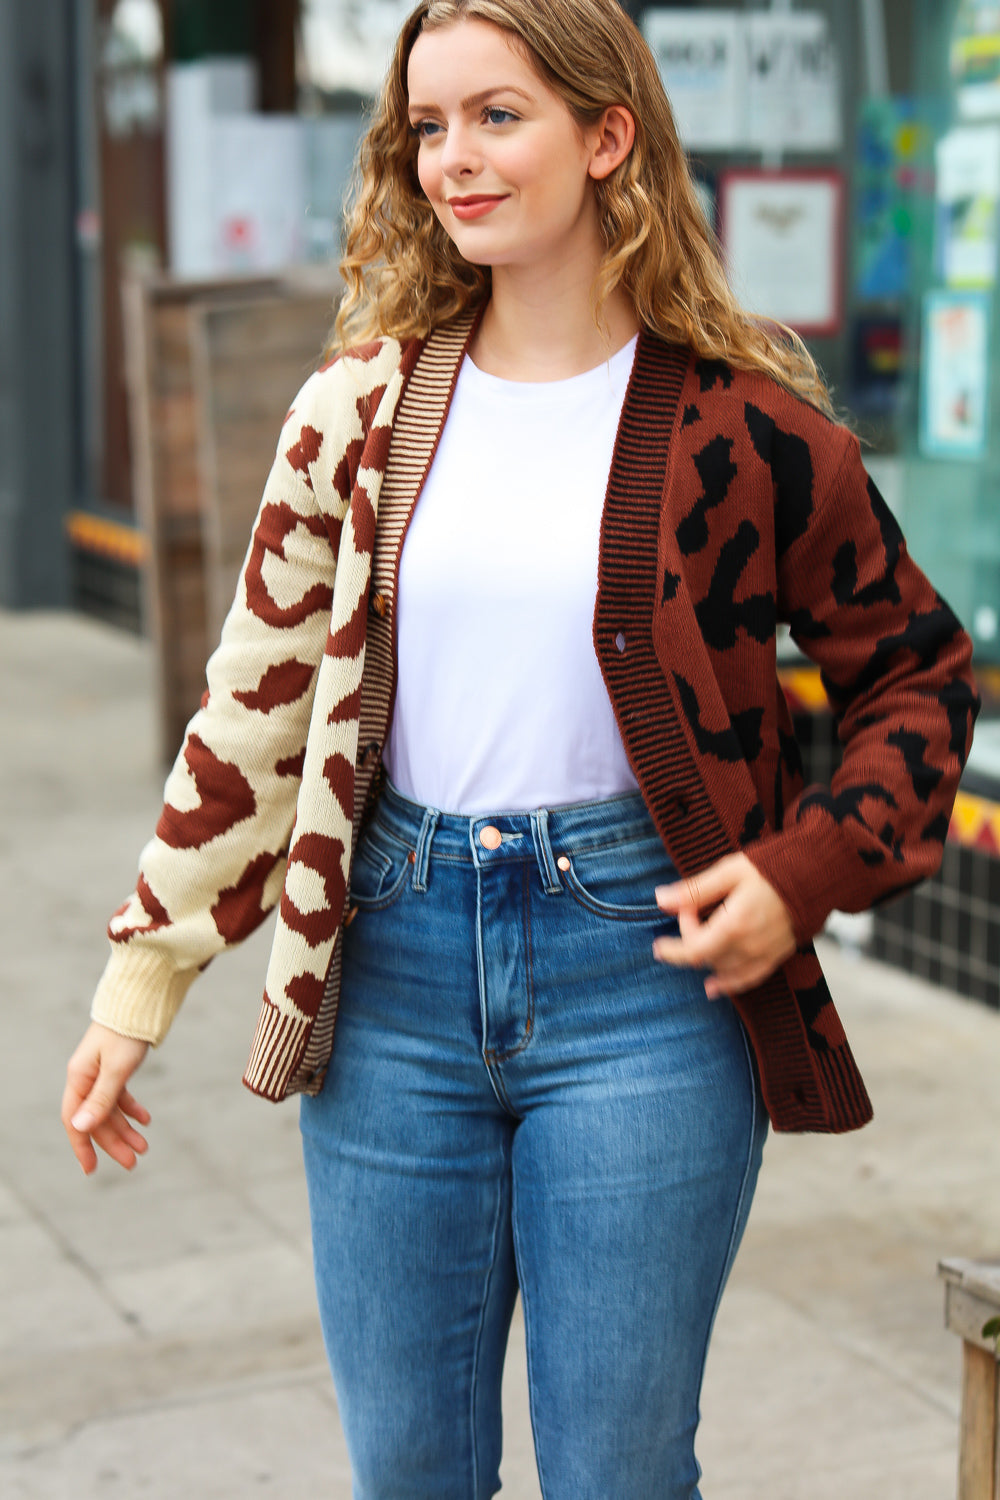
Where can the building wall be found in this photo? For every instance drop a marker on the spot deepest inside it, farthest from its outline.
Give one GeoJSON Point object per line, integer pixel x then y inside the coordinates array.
{"type": "Point", "coordinates": [37, 305]}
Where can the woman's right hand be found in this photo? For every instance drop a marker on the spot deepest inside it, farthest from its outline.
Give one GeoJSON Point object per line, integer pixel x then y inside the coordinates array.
{"type": "Point", "coordinates": [97, 1106]}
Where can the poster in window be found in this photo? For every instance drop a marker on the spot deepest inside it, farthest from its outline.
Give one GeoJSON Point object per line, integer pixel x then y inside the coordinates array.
{"type": "Point", "coordinates": [782, 236]}
{"type": "Point", "coordinates": [954, 374]}
{"type": "Point", "coordinates": [968, 193]}
{"type": "Point", "coordinates": [702, 59]}
{"type": "Point", "coordinates": [975, 59]}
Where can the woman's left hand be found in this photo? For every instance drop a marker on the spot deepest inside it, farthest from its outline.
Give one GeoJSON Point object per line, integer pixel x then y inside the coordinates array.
{"type": "Point", "coordinates": [746, 935]}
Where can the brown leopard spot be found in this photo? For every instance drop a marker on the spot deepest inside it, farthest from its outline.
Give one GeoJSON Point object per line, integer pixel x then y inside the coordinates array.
{"type": "Point", "coordinates": [323, 855]}
{"type": "Point", "coordinates": [282, 684]}
{"type": "Point", "coordinates": [225, 795]}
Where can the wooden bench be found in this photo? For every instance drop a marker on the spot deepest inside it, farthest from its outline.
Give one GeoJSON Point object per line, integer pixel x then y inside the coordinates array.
{"type": "Point", "coordinates": [972, 1298]}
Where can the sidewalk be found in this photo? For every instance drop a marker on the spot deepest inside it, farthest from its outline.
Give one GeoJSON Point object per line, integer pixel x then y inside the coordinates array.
{"type": "Point", "coordinates": [157, 1332]}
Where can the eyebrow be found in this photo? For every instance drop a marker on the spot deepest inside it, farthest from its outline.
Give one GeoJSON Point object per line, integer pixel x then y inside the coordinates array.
{"type": "Point", "coordinates": [473, 100]}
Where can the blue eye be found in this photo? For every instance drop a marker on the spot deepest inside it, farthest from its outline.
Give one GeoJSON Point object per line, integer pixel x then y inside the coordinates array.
{"type": "Point", "coordinates": [498, 116]}
{"type": "Point", "coordinates": [424, 129]}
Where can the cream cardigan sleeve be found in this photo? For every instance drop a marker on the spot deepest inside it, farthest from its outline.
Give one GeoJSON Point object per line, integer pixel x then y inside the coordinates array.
{"type": "Point", "coordinates": [216, 864]}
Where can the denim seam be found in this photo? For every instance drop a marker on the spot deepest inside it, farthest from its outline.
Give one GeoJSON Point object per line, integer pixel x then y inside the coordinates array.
{"type": "Point", "coordinates": [477, 1350]}
{"type": "Point", "coordinates": [738, 1215]}
{"type": "Point", "coordinates": [544, 853]}
{"type": "Point", "coordinates": [528, 1320]}
{"type": "Point", "coordinates": [493, 1054]}
{"type": "Point", "coordinates": [385, 898]}
{"type": "Point", "coordinates": [422, 853]}
{"type": "Point", "coordinates": [629, 914]}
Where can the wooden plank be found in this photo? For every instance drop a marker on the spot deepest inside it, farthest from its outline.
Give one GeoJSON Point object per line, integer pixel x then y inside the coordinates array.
{"type": "Point", "coordinates": [249, 360]}
{"type": "Point", "coordinates": [977, 1460]}
{"type": "Point", "coordinates": [193, 420]}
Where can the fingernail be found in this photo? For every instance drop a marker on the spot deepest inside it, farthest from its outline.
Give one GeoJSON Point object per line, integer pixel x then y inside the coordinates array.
{"type": "Point", "coordinates": [82, 1120]}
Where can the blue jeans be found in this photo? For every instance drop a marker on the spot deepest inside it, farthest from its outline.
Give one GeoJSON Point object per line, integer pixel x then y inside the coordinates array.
{"type": "Point", "coordinates": [521, 1097]}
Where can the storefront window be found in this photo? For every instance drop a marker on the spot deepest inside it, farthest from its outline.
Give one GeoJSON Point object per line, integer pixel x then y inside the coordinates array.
{"type": "Point", "coordinates": [952, 452]}
{"type": "Point", "coordinates": [863, 209]}
{"type": "Point", "coordinates": [346, 44]}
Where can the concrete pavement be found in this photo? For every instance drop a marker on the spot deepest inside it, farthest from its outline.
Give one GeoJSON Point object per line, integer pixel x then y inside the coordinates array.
{"type": "Point", "coordinates": [157, 1332]}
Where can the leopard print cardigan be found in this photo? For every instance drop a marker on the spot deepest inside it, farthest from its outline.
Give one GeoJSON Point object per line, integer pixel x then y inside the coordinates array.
{"type": "Point", "coordinates": [731, 507]}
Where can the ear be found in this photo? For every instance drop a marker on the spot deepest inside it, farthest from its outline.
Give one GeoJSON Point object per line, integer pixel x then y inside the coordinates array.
{"type": "Point", "coordinates": [613, 138]}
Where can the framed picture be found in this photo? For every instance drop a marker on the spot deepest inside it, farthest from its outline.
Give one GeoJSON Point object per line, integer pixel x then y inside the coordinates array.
{"type": "Point", "coordinates": [782, 235]}
{"type": "Point", "coordinates": [954, 369]}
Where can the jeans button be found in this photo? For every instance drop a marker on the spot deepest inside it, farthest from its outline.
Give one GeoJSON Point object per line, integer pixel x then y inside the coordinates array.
{"type": "Point", "coordinates": [490, 837]}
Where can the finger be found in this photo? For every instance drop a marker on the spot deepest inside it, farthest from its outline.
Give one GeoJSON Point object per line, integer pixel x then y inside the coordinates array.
{"type": "Point", "coordinates": [83, 1150]}
{"type": "Point", "coordinates": [702, 943]}
{"type": "Point", "coordinates": [120, 1141]}
{"type": "Point", "coordinates": [129, 1105]}
{"type": "Point", "coordinates": [102, 1100]}
{"type": "Point", "coordinates": [707, 888]}
{"type": "Point", "coordinates": [79, 1142]}
{"type": "Point", "coordinates": [736, 981]}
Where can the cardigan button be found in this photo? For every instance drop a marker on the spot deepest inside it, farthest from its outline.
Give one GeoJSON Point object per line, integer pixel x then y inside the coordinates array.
{"type": "Point", "coordinates": [620, 642]}
{"type": "Point", "coordinates": [379, 606]}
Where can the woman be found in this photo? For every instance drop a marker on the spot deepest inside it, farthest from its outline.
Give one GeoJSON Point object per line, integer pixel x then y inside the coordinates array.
{"type": "Point", "coordinates": [523, 782]}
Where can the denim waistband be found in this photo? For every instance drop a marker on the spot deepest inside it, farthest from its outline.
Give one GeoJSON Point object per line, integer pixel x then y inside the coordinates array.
{"type": "Point", "coordinates": [546, 834]}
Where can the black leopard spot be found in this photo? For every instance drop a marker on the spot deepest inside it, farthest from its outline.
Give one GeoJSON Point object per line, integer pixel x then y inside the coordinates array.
{"type": "Point", "coordinates": [741, 741]}
{"type": "Point", "coordinates": [884, 589]}
{"type": "Point", "coordinates": [690, 417]}
{"type": "Point", "coordinates": [812, 1003]}
{"type": "Point", "coordinates": [711, 370]}
{"type": "Point", "coordinates": [754, 825]}
{"type": "Point", "coordinates": [791, 753]}
{"type": "Point", "coordinates": [719, 614]}
{"type": "Point", "coordinates": [788, 458]}
{"type": "Point", "coordinates": [923, 636]}
{"type": "Point", "coordinates": [936, 830]}
{"type": "Point", "coordinates": [925, 778]}
{"type": "Point", "coordinates": [716, 471]}
{"type": "Point", "coordinates": [805, 628]}
{"type": "Point", "coordinates": [961, 705]}
{"type": "Point", "coordinates": [847, 804]}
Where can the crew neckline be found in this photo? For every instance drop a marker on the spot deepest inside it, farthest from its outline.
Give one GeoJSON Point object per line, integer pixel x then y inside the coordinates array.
{"type": "Point", "coordinates": [612, 367]}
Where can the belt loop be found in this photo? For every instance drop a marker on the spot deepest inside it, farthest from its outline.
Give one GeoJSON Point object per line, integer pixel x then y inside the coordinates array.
{"type": "Point", "coordinates": [543, 852]}
{"type": "Point", "coordinates": [423, 852]}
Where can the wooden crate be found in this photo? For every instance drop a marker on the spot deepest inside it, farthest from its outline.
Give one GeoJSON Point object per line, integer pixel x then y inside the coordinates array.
{"type": "Point", "coordinates": [203, 434]}
{"type": "Point", "coordinates": [250, 358]}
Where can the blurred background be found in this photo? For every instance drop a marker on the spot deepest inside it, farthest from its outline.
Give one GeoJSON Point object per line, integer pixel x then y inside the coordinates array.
{"type": "Point", "coordinates": [171, 183]}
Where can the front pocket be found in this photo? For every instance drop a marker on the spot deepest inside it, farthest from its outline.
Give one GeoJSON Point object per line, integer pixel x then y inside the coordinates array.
{"type": "Point", "coordinates": [379, 872]}
{"type": "Point", "coordinates": [619, 882]}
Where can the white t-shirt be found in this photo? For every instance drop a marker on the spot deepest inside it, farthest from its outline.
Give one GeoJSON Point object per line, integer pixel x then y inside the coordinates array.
{"type": "Point", "coordinates": [500, 702]}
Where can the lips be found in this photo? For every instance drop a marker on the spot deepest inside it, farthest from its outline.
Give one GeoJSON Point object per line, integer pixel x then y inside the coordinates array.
{"type": "Point", "coordinates": [475, 207]}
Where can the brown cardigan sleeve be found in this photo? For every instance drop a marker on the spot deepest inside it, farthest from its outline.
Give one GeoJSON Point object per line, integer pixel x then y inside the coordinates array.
{"type": "Point", "coordinates": [896, 666]}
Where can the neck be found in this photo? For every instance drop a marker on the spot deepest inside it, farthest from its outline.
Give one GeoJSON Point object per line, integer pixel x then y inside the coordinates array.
{"type": "Point", "coordinates": [544, 328]}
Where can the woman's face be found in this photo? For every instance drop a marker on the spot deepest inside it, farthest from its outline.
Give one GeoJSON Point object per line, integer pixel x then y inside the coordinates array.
{"type": "Point", "coordinates": [505, 166]}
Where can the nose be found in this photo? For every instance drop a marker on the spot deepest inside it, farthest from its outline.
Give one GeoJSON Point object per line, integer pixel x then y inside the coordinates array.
{"type": "Point", "coordinates": [459, 157]}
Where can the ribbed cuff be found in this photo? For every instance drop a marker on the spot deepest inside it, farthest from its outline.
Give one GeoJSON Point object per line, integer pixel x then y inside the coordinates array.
{"type": "Point", "coordinates": [140, 993]}
{"type": "Point", "coordinates": [808, 865]}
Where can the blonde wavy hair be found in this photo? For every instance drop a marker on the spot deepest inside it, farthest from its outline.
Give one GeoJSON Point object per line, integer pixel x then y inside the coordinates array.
{"type": "Point", "coordinates": [403, 276]}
